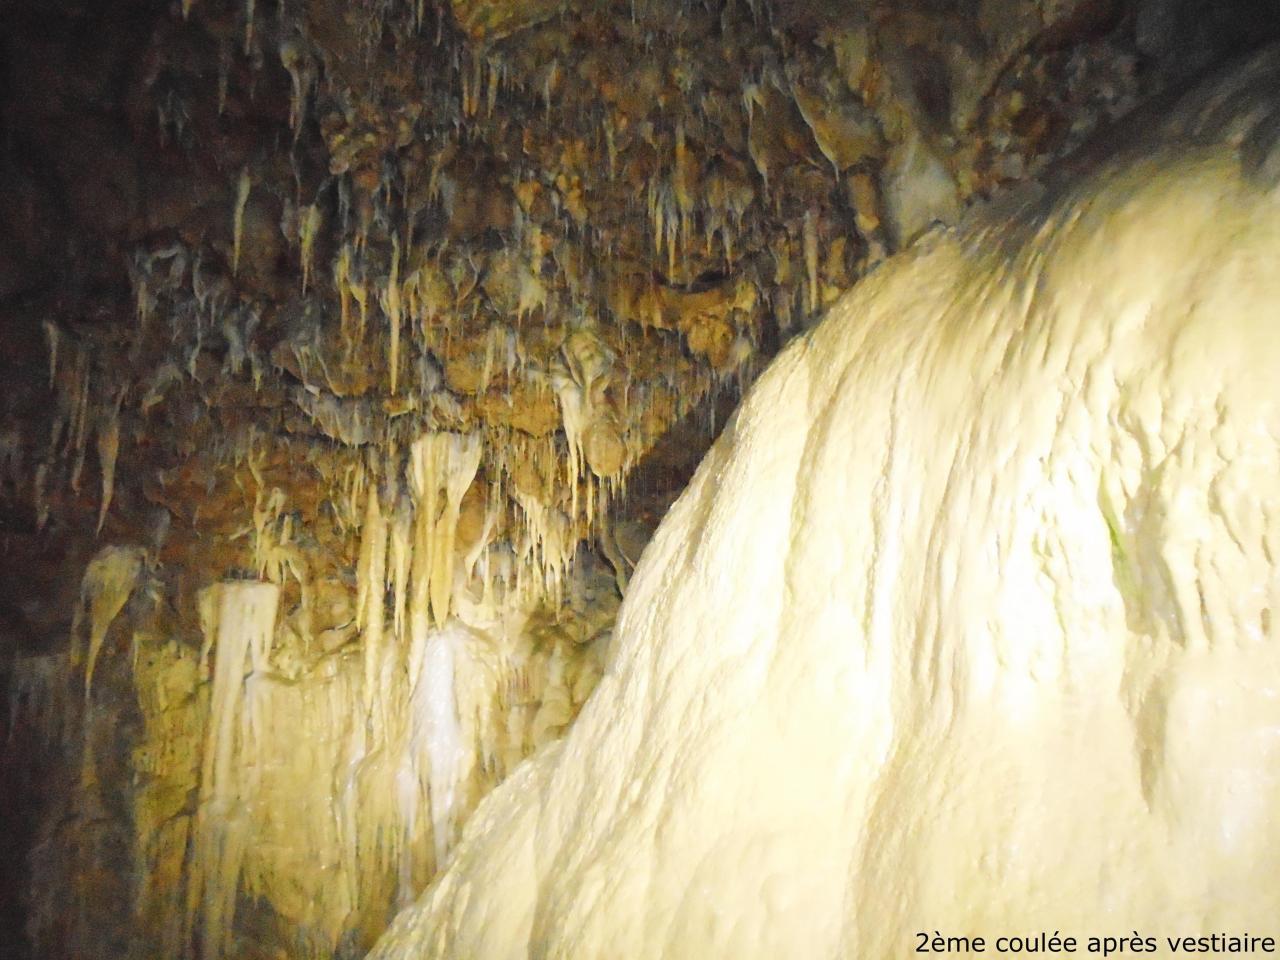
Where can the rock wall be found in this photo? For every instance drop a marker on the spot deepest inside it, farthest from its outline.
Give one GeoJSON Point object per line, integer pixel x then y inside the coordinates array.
{"type": "Point", "coordinates": [966, 622]}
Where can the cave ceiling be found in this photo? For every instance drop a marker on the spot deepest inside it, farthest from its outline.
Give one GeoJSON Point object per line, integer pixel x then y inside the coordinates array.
{"type": "Point", "coordinates": [259, 247]}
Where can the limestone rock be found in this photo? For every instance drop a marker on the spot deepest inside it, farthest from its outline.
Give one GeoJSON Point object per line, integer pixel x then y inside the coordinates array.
{"type": "Point", "coordinates": [919, 190]}
{"type": "Point", "coordinates": [982, 578]}
{"type": "Point", "coordinates": [846, 133]}
{"type": "Point", "coordinates": [524, 407]}
{"type": "Point", "coordinates": [486, 20]}
{"type": "Point", "coordinates": [603, 447]}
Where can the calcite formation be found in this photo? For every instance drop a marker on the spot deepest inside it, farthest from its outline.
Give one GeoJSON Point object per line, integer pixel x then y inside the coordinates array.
{"type": "Point", "coordinates": [108, 581]}
{"type": "Point", "coordinates": [966, 624]}
{"type": "Point", "coordinates": [354, 350]}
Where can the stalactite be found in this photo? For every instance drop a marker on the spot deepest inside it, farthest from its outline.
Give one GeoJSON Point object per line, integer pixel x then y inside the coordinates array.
{"type": "Point", "coordinates": [611, 145]}
{"type": "Point", "coordinates": [243, 186]}
{"type": "Point", "coordinates": [391, 306]}
{"type": "Point", "coordinates": [400, 559]}
{"type": "Point", "coordinates": [400, 784]}
{"type": "Point", "coordinates": [266, 510]}
{"type": "Point", "coordinates": [40, 494]}
{"type": "Point", "coordinates": [575, 418]}
{"type": "Point", "coordinates": [296, 59]}
{"type": "Point", "coordinates": [682, 182]}
{"type": "Point", "coordinates": [248, 26]}
{"type": "Point", "coordinates": [440, 464]}
{"type": "Point", "coordinates": [426, 507]}
{"type": "Point", "coordinates": [107, 584]}
{"type": "Point", "coordinates": [308, 229]}
{"type": "Point", "coordinates": [426, 175]}
{"type": "Point", "coordinates": [437, 729]}
{"type": "Point", "coordinates": [240, 621]}
{"type": "Point", "coordinates": [108, 448]}
{"type": "Point", "coordinates": [80, 417]}
{"type": "Point", "coordinates": [811, 259]}
{"type": "Point", "coordinates": [532, 291]}
{"type": "Point", "coordinates": [360, 294]}
{"type": "Point", "coordinates": [464, 460]}
{"type": "Point", "coordinates": [52, 337]}
{"type": "Point", "coordinates": [224, 74]}
{"type": "Point", "coordinates": [371, 592]}
{"type": "Point", "coordinates": [672, 241]}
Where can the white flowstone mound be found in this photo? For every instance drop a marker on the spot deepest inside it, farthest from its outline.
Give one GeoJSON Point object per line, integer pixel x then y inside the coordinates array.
{"type": "Point", "coordinates": [967, 622]}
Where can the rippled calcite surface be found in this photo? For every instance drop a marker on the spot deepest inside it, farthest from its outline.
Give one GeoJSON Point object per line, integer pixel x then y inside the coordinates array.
{"type": "Point", "coordinates": [966, 623]}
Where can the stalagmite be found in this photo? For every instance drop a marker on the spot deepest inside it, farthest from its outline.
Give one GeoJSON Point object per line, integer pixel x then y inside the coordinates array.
{"type": "Point", "coordinates": [966, 623]}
